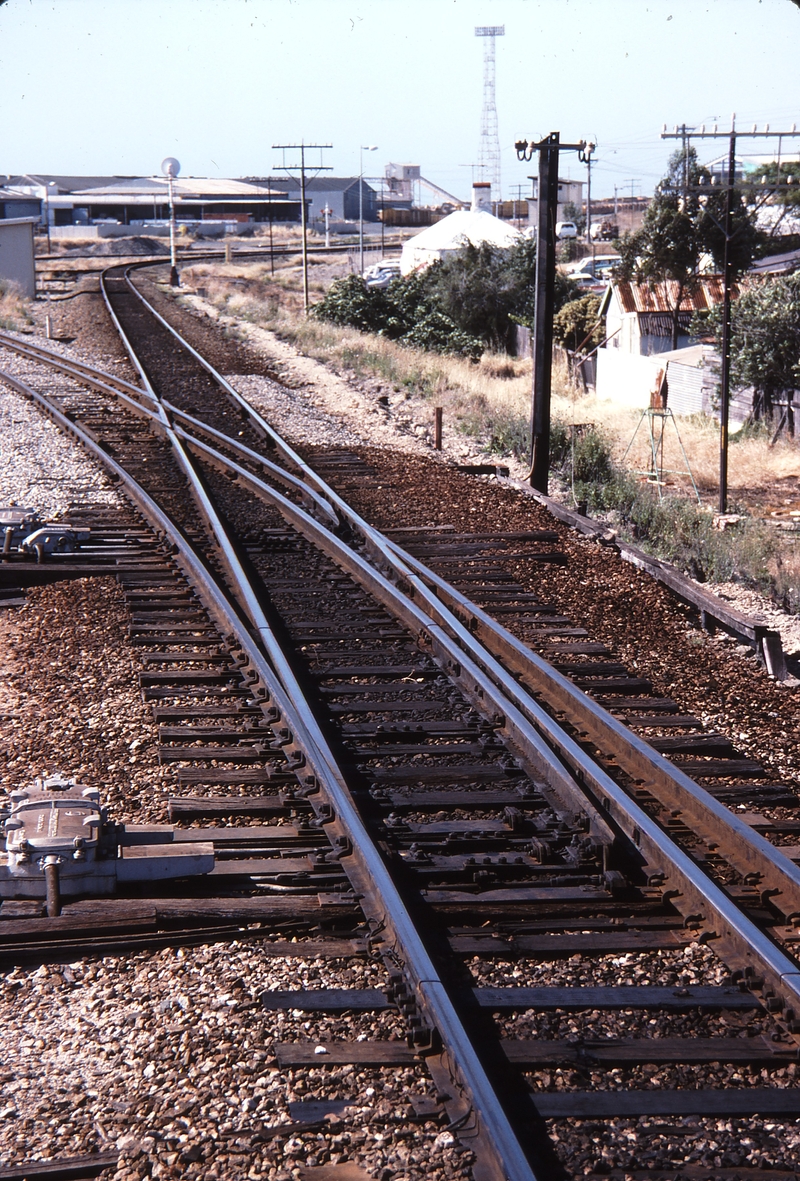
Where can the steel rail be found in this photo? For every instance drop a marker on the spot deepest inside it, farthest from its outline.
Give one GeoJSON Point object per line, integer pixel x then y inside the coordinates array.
{"type": "Point", "coordinates": [227, 551]}
{"type": "Point", "coordinates": [259, 424]}
{"type": "Point", "coordinates": [86, 373]}
{"type": "Point", "coordinates": [738, 934]}
{"type": "Point", "coordinates": [540, 759]}
{"type": "Point", "coordinates": [492, 688]}
{"type": "Point", "coordinates": [502, 1144]}
{"type": "Point", "coordinates": [651, 839]}
{"type": "Point", "coordinates": [277, 473]}
{"type": "Point", "coordinates": [506, 1156]}
{"type": "Point", "coordinates": [747, 849]}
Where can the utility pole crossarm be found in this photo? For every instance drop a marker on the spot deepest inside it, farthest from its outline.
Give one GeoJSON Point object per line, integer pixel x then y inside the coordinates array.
{"type": "Point", "coordinates": [686, 134]}
{"type": "Point", "coordinates": [301, 168]}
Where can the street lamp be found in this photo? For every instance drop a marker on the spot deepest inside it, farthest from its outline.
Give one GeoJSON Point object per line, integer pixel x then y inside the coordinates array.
{"type": "Point", "coordinates": [47, 189]}
{"type": "Point", "coordinates": [363, 149]}
{"type": "Point", "coordinates": [171, 167]}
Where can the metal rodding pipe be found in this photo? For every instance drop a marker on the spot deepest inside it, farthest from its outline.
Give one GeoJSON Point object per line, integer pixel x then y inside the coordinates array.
{"type": "Point", "coordinates": [53, 885]}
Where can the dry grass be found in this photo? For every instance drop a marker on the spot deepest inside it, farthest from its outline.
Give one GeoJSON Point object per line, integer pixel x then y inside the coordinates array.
{"type": "Point", "coordinates": [14, 307]}
{"type": "Point", "coordinates": [752, 464]}
{"type": "Point", "coordinates": [489, 400]}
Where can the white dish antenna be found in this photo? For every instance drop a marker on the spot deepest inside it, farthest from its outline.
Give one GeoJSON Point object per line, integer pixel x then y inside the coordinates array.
{"type": "Point", "coordinates": [170, 166]}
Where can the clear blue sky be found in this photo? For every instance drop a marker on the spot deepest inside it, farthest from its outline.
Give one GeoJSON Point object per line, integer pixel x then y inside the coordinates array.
{"type": "Point", "coordinates": [113, 86]}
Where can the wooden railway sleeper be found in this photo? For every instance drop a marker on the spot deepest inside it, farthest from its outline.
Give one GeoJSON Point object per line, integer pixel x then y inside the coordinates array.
{"type": "Point", "coordinates": [508, 714]}
{"type": "Point", "coordinates": [510, 658]}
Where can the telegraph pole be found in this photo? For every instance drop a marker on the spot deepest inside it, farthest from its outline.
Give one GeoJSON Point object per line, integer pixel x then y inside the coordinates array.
{"type": "Point", "coordinates": [685, 134]}
{"type": "Point", "coordinates": [547, 214]}
{"type": "Point", "coordinates": [301, 168]}
{"type": "Point", "coordinates": [724, 405]}
{"type": "Point", "coordinates": [585, 157]}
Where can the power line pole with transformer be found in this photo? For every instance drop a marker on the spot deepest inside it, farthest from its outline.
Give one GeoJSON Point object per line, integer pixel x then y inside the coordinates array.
{"type": "Point", "coordinates": [686, 134]}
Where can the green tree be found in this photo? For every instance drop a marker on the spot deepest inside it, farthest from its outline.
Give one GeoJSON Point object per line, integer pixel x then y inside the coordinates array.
{"type": "Point", "coordinates": [487, 290]}
{"type": "Point", "coordinates": [576, 213]}
{"type": "Point", "coordinates": [684, 222]}
{"type": "Point", "coordinates": [778, 187]}
{"type": "Point", "coordinates": [484, 288]}
{"type": "Point", "coordinates": [577, 325]}
{"type": "Point", "coordinates": [765, 340]}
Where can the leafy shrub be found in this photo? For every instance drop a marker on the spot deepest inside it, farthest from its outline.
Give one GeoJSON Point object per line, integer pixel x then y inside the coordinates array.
{"type": "Point", "coordinates": [464, 305]}
{"type": "Point", "coordinates": [350, 303]}
{"type": "Point", "coordinates": [577, 323]}
{"type": "Point", "coordinates": [404, 311]}
{"type": "Point", "coordinates": [580, 454]}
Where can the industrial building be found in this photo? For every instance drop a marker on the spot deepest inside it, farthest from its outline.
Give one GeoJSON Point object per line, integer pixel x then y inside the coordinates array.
{"type": "Point", "coordinates": [339, 193]}
{"type": "Point", "coordinates": [133, 200]}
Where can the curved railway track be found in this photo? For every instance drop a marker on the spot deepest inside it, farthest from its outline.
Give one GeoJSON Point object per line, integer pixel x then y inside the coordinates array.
{"type": "Point", "coordinates": [366, 738]}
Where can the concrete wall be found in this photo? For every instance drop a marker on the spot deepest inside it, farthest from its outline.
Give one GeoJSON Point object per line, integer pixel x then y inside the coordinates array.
{"type": "Point", "coordinates": [16, 254]}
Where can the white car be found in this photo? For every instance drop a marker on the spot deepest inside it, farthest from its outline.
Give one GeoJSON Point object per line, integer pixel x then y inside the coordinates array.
{"type": "Point", "coordinates": [381, 274]}
{"type": "Point", "coordinates": [588, 283]}
{"type": "Point", "coordinates": [566, 229]}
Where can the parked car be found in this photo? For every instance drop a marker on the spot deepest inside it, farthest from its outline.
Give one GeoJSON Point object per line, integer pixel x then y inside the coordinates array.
{"type": "Point", "coordinates": [600, 266]}
{"type": "Point", "coordinates": [381, 274]}
{"type": "Point", "coordinates": [588, 284]}
{"type": "Point", "coordinates": [566, 229]}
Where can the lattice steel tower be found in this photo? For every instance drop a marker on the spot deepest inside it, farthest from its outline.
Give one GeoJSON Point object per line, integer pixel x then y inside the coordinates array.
{"type": "Point", "coordinates": [489, 149]}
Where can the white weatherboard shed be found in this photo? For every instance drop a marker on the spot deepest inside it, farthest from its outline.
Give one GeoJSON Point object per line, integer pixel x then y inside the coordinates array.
{"type": "Point", "coordinates": [16, 253]}
{"type": "Point", "coordinates": [476, 225]}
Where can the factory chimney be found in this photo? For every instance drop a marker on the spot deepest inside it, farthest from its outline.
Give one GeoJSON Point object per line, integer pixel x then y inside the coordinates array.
{"type": "Point", "coordinates": [481, 196]}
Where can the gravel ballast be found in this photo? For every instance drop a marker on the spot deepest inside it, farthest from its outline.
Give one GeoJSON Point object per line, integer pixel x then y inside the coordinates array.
{"type": "Point", "coordinates": [168, 1056]}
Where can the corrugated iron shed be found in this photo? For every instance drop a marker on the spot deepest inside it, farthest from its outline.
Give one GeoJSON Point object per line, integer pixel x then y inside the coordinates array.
{"type": "Point", "coordinates": [705, 293]}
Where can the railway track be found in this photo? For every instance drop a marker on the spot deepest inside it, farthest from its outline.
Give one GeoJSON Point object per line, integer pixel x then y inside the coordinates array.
{"type": "Point", "coordinates": [371, 748]}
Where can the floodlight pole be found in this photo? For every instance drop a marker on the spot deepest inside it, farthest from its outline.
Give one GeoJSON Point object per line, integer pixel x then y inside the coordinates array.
{"type": "Point", "coordinates": [173, 267]}
{"type": "Point", "coordinates": [362, 150]}
{"type": "Point", "coordinates": [47, 188]}
{"type": "Point", "coordinates": [685, 134]}
{"type": "Point", "coordinates": [303, 211]}
{"type": "Point", "coordinates": [547, 215]}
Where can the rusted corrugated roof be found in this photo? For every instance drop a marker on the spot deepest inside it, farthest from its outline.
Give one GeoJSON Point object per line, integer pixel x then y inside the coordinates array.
{"type": "Point", "coordinates": [706, 292]}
